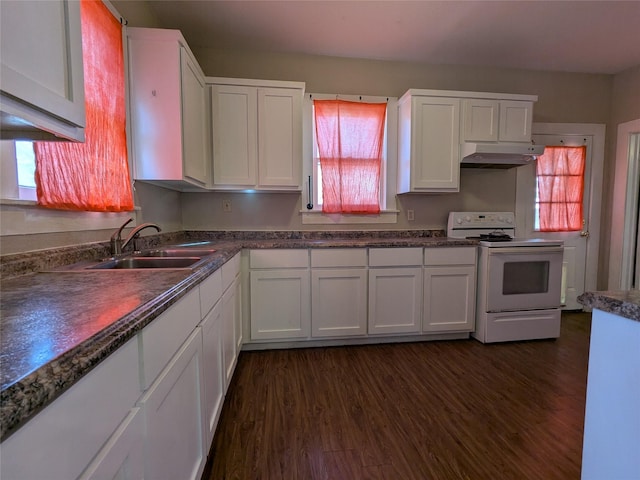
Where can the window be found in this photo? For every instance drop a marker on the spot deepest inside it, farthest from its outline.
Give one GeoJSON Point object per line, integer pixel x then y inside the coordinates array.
{"type": "Point", "coordinates": [559, 189]}
{"type": "Point", "coordinates": [92, 176]}
{"type": "Point", "coordinates": [26, 163]}
{"type": "Point", "coordinates": [386, 188]}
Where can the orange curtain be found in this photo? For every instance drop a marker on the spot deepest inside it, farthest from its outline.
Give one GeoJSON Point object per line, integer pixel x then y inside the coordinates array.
{"type": "Point", "coordinates": [560, 176]}
{"type": "Point", "coordinates": [92, 176]}
{"type": "Point", "coordinates": [350, 137]}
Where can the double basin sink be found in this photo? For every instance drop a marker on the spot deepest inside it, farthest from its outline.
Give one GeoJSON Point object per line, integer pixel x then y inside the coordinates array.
{"type": "Point", "coordinates": [175, 257]}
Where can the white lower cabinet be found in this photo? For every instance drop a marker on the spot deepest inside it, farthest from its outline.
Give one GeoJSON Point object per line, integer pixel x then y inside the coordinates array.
{"type": "Point", "coordinates": [280, 294]}
{"type": "Point", "coordinates": [212, 370]}
{"type": "Point", "coordinates": [231, 328]}
{"type": "Point", "coordinates": [338, 295]}
{"type": "Point", "coordinates": [150, 409]}
{"type": "Point", "coordinates": [228, 334]}
{"type": "Point", "coordinates": [280, 302]}
{"type": "Point", "coordinates": [395, 290]}
{"type": "Point", "coordinates": [395, 300]}
{"type": "Point", "coordinates": [122, 458]}
{"type": "Point", "coordinates": [359, 293]}
{"type": "Point", "coordinates": [174, 444]}
{"type": "Point", "coordinates": [449, 289]}
{"type": "Point", "coordinates": [60, 441]}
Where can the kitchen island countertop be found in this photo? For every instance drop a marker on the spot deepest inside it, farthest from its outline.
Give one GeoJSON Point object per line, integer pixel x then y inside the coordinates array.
{"type": "Point", "coordinates": [625, 303]}
{"type": "Point", "coordinates": [57, 326]}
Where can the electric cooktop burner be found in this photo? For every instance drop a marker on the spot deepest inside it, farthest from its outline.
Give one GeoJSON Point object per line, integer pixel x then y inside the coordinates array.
{"type": "Point", "coordinates": [493, 237]}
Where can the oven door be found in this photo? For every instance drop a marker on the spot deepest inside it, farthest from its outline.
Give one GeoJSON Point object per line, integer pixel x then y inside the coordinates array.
{"type": "Point", "coordinates": [524, 278]}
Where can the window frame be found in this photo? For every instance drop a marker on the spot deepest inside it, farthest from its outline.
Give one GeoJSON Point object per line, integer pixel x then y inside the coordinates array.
{"type": "Point", "coordinates": [388, 172]}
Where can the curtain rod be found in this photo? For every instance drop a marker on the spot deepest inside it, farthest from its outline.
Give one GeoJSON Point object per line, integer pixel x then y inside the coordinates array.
{"type": "Point", "coordinates": [337, 95]}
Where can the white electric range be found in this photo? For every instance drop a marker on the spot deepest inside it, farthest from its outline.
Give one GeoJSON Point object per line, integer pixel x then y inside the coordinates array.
{"type": "Point", "coordinates": [519, 279]}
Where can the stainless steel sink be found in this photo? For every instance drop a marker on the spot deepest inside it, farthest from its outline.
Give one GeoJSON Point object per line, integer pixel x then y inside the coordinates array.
{"type": "Point", "coordinates": [129, 263]}
{"type": "Point", "coordinates": [177, 252]}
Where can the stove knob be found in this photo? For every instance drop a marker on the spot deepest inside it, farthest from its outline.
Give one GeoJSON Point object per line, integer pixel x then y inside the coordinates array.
{"type": "Point", "coordinates": [509, 220]}
{"type": "Point", "coordinates": [467, 218]}
{"type": "Point", "coordinates": [458, 221]}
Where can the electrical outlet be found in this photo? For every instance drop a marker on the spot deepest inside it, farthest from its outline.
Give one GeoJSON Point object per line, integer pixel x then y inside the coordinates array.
{"type": "Point", "coordinates": [226, 205]}
{"type": "Point", "coordinates": [410, 215]}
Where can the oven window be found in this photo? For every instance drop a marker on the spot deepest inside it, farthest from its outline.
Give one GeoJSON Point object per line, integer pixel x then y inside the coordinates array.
{"type": "Point", "coordinates": [525, 277]}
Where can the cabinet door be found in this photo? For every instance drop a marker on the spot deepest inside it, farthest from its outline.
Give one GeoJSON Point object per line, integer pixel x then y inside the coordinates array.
{"type": "Point", "coordinates": [155, 106]}
{"type": "Point", "coordinates": [435, 144]}
{"type": "Point", "coordinates": [338, 302]}
{"type": "Point", "coordinates": [237, 315]}
{"type": "Point", "coordinates": [212, 370]}
{"type": "Point", "coordinates": [449, 299]}
{"type": "Point", "coordinates": [480, 120]}
{"type": "Point", "coordinates": [122, 457]}
{"type": "Point", "coordinates": [194, 121]}
{"type": "Point", "coordinates": [174, 441]}
{"type": "Point", "coordinates": [280, 137]}
{"type": "Point", "coordinates": [234, 123]}
{"type": "Point", "coordinates": [515, 121]}
{"type": "Point", "coordinates": [229, 353]}
{"type": "Point", "coordinates": [42, 74]}
{"type": "Point", "coordinates": [280, 302]}
{"type": "Point", "coordinates": [395, 300]}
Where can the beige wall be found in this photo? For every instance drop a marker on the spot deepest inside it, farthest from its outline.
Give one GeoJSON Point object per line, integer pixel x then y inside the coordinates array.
{"type": "Point", "coordinates": [563, 97]}
{"type": "Point", "coordinates": [625, 107]}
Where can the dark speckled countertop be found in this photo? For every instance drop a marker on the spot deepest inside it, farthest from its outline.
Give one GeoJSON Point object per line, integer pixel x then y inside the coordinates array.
{"type": "Point", "coordinates": [56, 326]}
{"type": "Point", "coordinates": [623, 303]}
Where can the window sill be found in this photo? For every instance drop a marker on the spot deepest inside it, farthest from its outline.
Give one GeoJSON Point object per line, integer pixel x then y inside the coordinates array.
{"type": "Point", "coordinates": [21, 217]}
{"type": "Point", "coordinates": [319, 218]}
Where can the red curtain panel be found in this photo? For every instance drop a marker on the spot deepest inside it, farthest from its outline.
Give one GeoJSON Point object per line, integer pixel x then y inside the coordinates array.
{"type": "Point", "coordinates": [350, 136]}
{"type": "Point", "coordinates": [560, 177]}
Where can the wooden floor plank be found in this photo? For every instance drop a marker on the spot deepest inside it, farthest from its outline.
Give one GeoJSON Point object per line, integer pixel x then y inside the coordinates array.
{"type": "Point", "coordinates": [429, 410]}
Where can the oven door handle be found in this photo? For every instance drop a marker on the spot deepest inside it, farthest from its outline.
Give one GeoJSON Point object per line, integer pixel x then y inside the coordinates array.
{"type": "Point", "coordinates": [524, 250]}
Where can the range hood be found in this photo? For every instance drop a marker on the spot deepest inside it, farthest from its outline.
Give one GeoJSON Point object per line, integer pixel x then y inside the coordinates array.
{"type": "Point", "coordinates": [498, 155]}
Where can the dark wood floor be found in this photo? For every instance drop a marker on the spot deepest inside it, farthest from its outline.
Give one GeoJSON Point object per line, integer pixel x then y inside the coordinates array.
{"type": "Point", "coordinates": [432, 410]}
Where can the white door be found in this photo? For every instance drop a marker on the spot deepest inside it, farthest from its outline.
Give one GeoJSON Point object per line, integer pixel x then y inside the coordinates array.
{"type": "Point", "coordinates": [580, 262]}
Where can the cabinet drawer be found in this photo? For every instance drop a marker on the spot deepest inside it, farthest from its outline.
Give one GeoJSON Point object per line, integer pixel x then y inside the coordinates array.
{"type": "Point", "coordinates": [161, 338]}
{"type": "Point", "coordinates": [394, 257]}
{"type": "Point", "coordinates": [450, 256]}
{"type": "Point", "coordinates": [339, 257]}
{"type": "Point", "coordinates": [230, 270]}
{"type": "Point", "coordinates": [279, 258]}
{"type": "Point", "coordinates": [210, 292]}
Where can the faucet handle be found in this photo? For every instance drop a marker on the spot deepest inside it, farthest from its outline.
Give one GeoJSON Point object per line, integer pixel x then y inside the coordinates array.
{"type": "Point", "coordinates": [118, 233]}
{"type": "Point", "coordinates": [116, 238]}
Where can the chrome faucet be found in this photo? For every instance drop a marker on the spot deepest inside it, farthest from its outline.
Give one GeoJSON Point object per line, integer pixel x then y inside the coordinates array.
{"type": "Point", "coordinates": [117, 244]}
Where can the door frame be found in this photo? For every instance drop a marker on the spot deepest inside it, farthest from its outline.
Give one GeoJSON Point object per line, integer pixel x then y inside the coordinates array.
{"type": "Point", "coordinates": [624, 208]}
{"type": "Point", "coordinates": [594, 207]}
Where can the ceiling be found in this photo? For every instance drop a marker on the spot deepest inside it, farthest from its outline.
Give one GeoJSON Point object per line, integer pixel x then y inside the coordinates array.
{"type": "Point", "coordinates": [571, 36]}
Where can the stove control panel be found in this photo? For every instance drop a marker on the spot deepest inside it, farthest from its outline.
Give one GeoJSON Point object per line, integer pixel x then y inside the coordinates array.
{"type": "Point", "coordinates": [468, 223]}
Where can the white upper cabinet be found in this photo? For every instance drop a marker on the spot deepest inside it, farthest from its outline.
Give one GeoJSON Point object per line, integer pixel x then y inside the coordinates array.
{"type": "Point", "coordinates": [491, 120]}
{"type": "Point", "coordinates": [168, 110]}
{"type": "Point", "coordinates": [516, 118]}
{"type": "Point", "coordinates": [433, 124]}
{"type": "Point", "coordinates": [428, 143]}
{"type": "Point", "coordinates": [480, 120]}
{"type": "Point", "coordinates": [42, 82]}
{"type": "Point", "coordinates": [257, 134]}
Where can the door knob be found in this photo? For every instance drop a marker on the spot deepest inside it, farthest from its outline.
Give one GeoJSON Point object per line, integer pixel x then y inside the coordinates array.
{"type": "Point", "coordinates": [584, 234]}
